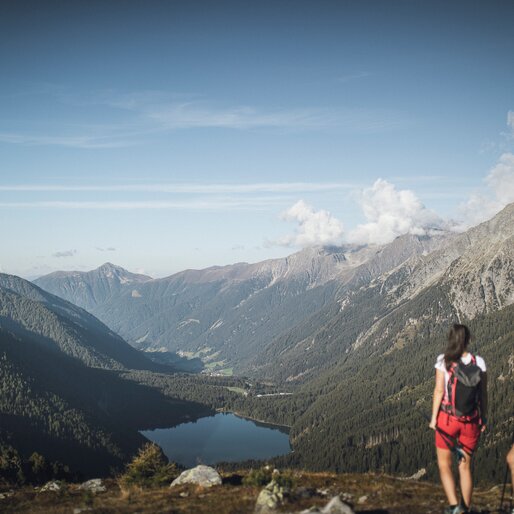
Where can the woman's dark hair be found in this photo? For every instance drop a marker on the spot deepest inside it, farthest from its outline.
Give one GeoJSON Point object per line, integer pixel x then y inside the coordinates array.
{"type": "Point", "coordinates": [458, 340]}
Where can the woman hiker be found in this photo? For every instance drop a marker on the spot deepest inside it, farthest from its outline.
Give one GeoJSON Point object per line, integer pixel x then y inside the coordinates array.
{"type": "Point", "coordinates": [459, 413]}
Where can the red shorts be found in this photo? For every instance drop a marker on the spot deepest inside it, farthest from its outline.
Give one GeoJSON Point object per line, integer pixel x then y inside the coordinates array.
{"type": "Point", "coordinates": [467, 433]}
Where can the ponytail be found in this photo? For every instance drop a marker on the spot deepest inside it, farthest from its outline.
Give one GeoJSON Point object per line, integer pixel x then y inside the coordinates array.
{"type": "Point", "coordinates": [458, 340]}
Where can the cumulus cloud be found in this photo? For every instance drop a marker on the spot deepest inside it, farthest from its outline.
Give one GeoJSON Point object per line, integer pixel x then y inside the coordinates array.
{"type": "Point", "coordinates": [313, 227]}
{"type": "Point", "coordinates": [391, 213]}
{"type": "Point", "coordinates": [498, 192]}
{"type": "Point", "coordinates": [501, 178]}
{"type": "Point", "coordinates": [108, 249]}
{"type": "Point", "coordinates": [65, 253]}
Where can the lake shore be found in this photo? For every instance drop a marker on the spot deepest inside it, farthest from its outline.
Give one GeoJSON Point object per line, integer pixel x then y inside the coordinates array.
{"type": "Point", "coordinates": [244, 416]}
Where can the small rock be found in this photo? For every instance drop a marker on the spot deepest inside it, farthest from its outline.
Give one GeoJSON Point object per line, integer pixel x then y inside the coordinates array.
{"type": "Point", "coordinates": [95, 485]}
{"type": "Point", "coordinates": [204, 476]}
{"type": "Point", "coordinates": [78, 510]}
{"type": "Point", "coordinates": [6, 494]}
{"type": "Point", "coordinates": [362, 499]}
{"type": "Point", "coordinates": [419, 474]}
{"type": "Point", "coordinates": [346, 497]}
{"type": "Point", "coordinates": [50, 486]}
{"type": "Point", "coordinates": [269, 498]}
{"type": "Point", "coordinates": [334, 506]}
{"type": "Point", "coordinates": [184, 494]}
{"type": "Point", "coordinates": [323, 492]}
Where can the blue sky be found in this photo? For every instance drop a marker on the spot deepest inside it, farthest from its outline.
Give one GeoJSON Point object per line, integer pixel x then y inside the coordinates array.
{"type": "Point", "coordinates": [182, 134]}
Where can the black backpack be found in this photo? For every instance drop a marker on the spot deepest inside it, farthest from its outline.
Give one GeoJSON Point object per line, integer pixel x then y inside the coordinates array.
{"type": "Point", "coordinates": [464, 389]}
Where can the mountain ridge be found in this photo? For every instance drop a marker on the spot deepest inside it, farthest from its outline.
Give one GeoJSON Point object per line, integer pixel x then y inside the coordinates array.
{"type": "Point", "coordinates": [194, 310]}
{"type": "Point", "coordinates": [26, 308]}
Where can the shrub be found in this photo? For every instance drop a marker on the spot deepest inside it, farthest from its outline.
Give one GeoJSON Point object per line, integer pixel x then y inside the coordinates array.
{"type": "Point", "coordinates": [11, 466]}
{"type": "Point", "coordinates": [149, 468]}
{"type": "Point", "coordinates": [263, 476]}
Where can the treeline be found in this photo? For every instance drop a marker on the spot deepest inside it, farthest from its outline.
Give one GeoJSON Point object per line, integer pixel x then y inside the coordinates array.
{"type": "Point", "coordinates": [14, 469]}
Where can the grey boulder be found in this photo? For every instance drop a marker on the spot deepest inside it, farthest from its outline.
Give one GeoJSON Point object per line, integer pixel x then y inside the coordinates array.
{"type": "Point", "coordinates": [204, 476]}
{"type": "Point", "coordinates": [269, 498]}
{"type": "Point", "coordinates": [95, 485]}
{"type": "Point", "coordinates": [50, 486]}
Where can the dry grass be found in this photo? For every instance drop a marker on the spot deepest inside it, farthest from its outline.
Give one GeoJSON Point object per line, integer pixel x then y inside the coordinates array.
{"type": "Point", "coordinates": [384, 494]}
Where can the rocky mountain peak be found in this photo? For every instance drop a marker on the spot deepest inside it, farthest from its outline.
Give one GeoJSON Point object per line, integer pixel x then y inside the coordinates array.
{"type": "Point", "coordinates": [113, 271]}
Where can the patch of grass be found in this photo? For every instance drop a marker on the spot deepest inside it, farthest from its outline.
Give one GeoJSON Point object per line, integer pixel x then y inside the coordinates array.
{"type": "Point", "coordinates": [238, 390]}
{"type": "Point", "coordinates": [212, 365]}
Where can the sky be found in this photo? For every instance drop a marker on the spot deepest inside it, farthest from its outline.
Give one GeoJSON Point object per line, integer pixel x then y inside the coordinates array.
{"type": "Point", "coordinates": [162, 136]}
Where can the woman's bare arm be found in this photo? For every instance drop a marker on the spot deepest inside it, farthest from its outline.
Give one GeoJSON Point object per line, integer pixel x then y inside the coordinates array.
{"type": "Point", "coordinates": [483, 400]}
{"type": "Point", "coordinates": [438, 397]}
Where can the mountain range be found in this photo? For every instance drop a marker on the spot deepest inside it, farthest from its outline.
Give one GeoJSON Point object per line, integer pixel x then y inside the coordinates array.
{"type": "Point", "coordinates": [352, 332]}
{"type": "Point", "coordinates": [265, 319]}
{"type": "Point", "coordinates": [228, 315]}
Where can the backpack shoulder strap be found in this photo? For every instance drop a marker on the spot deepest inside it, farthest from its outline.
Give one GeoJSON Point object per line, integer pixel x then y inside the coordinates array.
{"type": "Point", "coordinates": [473, 359]}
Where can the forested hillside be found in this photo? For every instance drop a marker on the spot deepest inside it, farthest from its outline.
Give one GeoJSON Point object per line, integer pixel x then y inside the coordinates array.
{"type": "Point", "coordinates": [27, 310]}
{"type": "Point", "coordinates": [87, 419]}
{"type": "Point", "coordinates": [60, 396]}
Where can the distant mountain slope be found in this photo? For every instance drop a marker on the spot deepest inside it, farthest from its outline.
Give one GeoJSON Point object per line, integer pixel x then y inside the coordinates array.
{"type": "Point", "coordinates": [89, 288]}
{"type": "Point", "coordinates": [85, 418]}
{"type": "Point", "coordinates": [471, 273]}
{"type": "Point", "coordinates": [228, 314]}
{"type": "Point", "coordinates": [27, 310]}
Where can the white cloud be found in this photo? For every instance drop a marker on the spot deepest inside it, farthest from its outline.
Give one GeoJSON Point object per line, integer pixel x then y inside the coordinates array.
{"type": "Point", "coordinates": [314, 227]}
{"type": "Point", "coordinates": [65, 253]}
{"type": "Point", "coordinates": [75, 141]}
{"type": "Point", "coordinates": [510, 120]}
{"type": "Point", "coordinates": [217, 204]}
{"type": "Point", "coordinates": [194, 115]}
{"type": "Point", "coordinates": [498, 192]}
{"type": "Point", "coordinates": [150, 113]}
{"type": "Point", "coordinates": [391, 213]}
{"type": "Point", "coordinates": [501, 179]}
{"type": "Point", "coordinates": [187, 188]}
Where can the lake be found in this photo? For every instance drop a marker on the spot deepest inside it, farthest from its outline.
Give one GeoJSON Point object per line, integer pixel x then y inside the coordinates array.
{"type": "Point", "coordinates": [223, 437]}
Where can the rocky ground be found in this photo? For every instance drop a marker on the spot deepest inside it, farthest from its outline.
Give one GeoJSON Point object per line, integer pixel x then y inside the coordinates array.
{"type": "Point", "coordinates": [365, 493]}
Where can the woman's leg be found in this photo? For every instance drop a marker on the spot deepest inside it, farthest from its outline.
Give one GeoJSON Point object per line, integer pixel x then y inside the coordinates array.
{"type": "Point", "coordinates": [444, 461]}
{"type": "Point", "coordinates": [510, 462]}
{"type": "Point", "coordinates": [466, 480]}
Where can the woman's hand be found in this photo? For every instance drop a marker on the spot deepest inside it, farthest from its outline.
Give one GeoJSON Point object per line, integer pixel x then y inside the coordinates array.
{"type": "Point", "coordinates": [433, 423]}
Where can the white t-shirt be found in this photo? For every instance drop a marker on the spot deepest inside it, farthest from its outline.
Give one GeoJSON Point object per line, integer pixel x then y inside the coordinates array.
{"type": "Point", "coordinates": [465, 359]}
